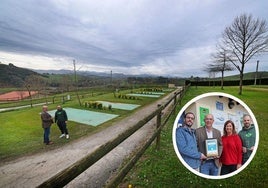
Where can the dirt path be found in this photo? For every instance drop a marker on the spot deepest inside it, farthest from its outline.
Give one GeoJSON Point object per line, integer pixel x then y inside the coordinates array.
{"type": "Point", "coordinates": [25, 106]}
{"type": "Point", "coordinates": [31, 171]}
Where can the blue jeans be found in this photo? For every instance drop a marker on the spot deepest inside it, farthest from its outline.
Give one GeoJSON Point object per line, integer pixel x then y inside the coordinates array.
{"type": "Point", "coordinates": [209, 168]}
{"type": "Point", "coordinates": [46, 135]}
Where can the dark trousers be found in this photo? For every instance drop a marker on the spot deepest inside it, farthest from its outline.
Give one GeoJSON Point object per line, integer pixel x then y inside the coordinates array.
{"type": "Point", "coordinates": [46, 135]}
{"type": "Point", "coordinates": [226, 169]}
{"type": "Point", "coordinates": [63, 127]}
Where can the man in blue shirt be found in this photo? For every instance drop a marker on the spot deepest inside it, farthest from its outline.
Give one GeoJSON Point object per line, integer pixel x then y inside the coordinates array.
{"type": "Point", "coordinates": [186, 142]}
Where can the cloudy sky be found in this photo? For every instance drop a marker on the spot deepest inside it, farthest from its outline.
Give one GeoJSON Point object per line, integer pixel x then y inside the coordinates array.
{"type": "Point", "coordinates": [160, 37]}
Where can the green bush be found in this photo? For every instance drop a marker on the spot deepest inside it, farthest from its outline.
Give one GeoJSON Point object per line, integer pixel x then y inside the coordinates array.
{"type": "Point", "coordinates": [94, 104]}
{"type": "Point", "coordinates": [99, 105]}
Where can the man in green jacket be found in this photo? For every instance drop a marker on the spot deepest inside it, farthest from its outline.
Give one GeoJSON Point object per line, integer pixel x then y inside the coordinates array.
{"type": "Point", "coordinates": [248, 137]}
{"type": "Point", "coordinates": [61, 120]}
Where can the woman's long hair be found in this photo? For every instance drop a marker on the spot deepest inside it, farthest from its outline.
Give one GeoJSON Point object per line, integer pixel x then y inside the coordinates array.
{"type": "Point", "coordinates": [224, 128]}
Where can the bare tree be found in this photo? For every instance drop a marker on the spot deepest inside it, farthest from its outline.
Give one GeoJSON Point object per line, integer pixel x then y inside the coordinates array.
{"type": "Point", "coordinates": [220, 63]}
{"type": "Point", "coordinates": [76, 85]}
{"type": "Point", "coordinates": [65, 83]}
{"type": "Point", "coordinates": [245, 38]}
{"type": "Point", "coordinates": [34, 83]}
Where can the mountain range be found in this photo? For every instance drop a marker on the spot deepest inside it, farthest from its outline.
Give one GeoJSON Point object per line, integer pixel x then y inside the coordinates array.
{"type": "Point", "coordinates": [13, 76]}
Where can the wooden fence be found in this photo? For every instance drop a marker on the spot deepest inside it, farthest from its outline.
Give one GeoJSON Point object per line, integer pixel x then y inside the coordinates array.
{"type": "Point", "coordinates": [64, 177]}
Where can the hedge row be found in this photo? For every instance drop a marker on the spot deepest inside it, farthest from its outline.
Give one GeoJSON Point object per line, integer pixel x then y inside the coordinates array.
{"type": "Point", "coordinates": [122, 96]}
{"type": "Point", "coordinates": [97, 105]}
{"type": "Point", "coordinates": [153, 89]}
{"type": "Point", "coordinates": [263, 81]}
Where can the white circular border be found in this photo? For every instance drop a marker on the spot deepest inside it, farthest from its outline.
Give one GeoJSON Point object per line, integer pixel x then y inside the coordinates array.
{"type": "Point", "coordinates": [208, 95]}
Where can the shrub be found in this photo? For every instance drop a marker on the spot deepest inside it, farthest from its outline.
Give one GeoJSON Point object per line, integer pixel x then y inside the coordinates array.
{"type": "Point", "coordinates": [89, 104]}
{"type": "Point", "coordinates": [99, 105]}
{"type": "Point", "coordinates": [94, 104]}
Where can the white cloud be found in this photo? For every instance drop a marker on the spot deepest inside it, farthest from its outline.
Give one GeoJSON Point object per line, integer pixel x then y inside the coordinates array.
{"type": "Point", "coordinates": [36, 61]}
{"type": "Point", "coordinates": [161, 37]}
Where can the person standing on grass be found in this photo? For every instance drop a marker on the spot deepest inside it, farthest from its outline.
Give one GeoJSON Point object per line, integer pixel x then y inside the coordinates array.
{"type": "Point", "coordinates": [47, 121]}
{"type": "Point", "coordinates": [61, 119]}
{"type": "Point", "coordinates": [186, 142]}
{"type": "Point", "coordinates": [248, 137]}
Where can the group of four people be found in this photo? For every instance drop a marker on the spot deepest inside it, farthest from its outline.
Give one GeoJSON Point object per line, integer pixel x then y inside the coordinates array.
{"type": "Point", "coordinates": [233, 149]}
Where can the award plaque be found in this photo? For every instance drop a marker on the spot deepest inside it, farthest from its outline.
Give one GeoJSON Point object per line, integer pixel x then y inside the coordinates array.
{"type": "Point", "coordinates": [212, 148]}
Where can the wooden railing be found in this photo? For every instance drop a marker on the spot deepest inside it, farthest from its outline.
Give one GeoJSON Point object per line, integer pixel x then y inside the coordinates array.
{"type": "Point", "coordinates": [65, 176]}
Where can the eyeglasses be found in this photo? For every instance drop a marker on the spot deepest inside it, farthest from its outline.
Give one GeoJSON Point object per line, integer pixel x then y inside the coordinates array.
{"type": "Point", "coordinates": [192, 118]}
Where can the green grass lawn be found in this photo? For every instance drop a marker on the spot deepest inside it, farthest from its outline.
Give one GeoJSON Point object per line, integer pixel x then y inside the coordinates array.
{"type": "Point", "coordinates": [162, 168]}
{"type": "Point", "coordinates": [21, 132]}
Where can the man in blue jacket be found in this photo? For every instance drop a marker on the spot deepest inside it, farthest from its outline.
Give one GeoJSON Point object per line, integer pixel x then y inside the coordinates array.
{"type": "Point", "coordinates": [186, 142]}
{"type": "Point", "coordinates": [61, 120]}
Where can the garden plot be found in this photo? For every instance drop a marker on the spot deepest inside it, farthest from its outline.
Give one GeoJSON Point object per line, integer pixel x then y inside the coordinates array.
{"type": "Point", "coordinates": [121, 106]}
{"type": "Point", "coordinates": [147, 94]}
{"type": "Point", "coordinates": [85, 116]}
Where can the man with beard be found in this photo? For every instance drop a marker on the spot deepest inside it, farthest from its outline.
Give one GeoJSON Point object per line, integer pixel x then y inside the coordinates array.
{"type": "Point", "coordinates": [186, 142]}
{"type": "Point", "coordinates": [248, 137]}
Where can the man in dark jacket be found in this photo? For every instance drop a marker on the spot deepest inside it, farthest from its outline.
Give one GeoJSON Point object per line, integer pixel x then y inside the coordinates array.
{"type": "Point", "coordinates": [61, 120]}
{"type": "Point", "coordinates": [47, 121]}
{"type": "Point", "coordinates": [212, 164]}
{"type": "Point", "coordinates": [248, 137]}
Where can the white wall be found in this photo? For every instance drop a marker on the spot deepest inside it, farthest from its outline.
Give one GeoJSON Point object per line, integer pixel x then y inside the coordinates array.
{"type": "Point", "coordinates": [220, 116]}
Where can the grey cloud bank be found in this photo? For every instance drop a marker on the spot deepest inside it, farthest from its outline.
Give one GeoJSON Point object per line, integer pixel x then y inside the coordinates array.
{"type": "Point", "coordinates": [169, 38]}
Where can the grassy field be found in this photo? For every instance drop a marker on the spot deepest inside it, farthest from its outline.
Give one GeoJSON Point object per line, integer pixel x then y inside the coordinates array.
{"type": "Point", "coordinates": [21, 132]}
{"type": "Point", "coordinates": [162, 168]}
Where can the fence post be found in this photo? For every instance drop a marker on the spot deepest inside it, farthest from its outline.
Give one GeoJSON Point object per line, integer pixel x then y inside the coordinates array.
{"type": "Point", "coordinates": [181, 94]}
{"type": "Point", "coordinates": [175, 102]}
{"type": "Point", "coordinates": [158, 124]}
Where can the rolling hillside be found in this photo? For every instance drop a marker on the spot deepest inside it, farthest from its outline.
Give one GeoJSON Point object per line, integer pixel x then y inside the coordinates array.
{"type": "Point", "coordinates": [12, 76]}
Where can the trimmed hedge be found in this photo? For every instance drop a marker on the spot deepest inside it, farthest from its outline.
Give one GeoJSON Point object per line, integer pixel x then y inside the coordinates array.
{"type": "Point", "coordinates": [97, 105]}
{"type": "Point", "coordinates": [263, 81]}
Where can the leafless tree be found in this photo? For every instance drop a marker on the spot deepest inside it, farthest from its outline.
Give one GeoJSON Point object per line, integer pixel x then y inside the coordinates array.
{"type": "Point", "coordinates": [34, 83]}
{"type": "Point", "coordinates": [245, 38]}
{"type": "Point", "coordinates": [65, 83]}
{"type": "Point", "coordinates": [76, 84]}
{"type": "Point", "coordinates": [220, 63]}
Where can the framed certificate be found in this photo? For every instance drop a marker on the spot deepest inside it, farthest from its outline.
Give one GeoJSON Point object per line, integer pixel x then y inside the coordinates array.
{"type": "Point", "coordinates": [212, 148]}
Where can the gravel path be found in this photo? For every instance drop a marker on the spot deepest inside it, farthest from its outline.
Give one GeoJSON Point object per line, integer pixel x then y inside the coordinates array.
{"type": "Point", "coordinates": [31, 171]}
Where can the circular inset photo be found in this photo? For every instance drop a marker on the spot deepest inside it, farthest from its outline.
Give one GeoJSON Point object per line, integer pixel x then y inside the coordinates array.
{"type": "Point", "coordinates": [215, 135]}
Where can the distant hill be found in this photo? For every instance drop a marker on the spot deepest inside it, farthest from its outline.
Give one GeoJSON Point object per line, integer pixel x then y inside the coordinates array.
{"type": "Point", "coordinates": [12, 76]}
{"type": "Point", "coordinates": [91, 73]}
{"type": "Point", "coordinates": [82, 73]}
